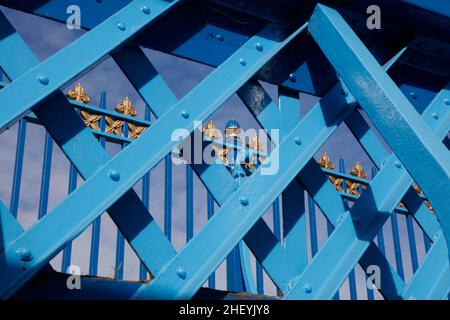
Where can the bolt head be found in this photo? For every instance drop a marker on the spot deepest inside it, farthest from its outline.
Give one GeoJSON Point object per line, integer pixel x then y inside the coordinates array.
{"type": "Point", "coordinates": [121, 26]}
{"type": "Point", "coordinates": [435, 115]}
{"type": "Point", "coordinates": [259, 46]}
{"type": "Point", "coordinates": [292, 77]}
{"type": "Point", "coordinates": [413, 95]}
{"type": "Point", "coordinates": [219, 37]}
{"type": "Point", "coordinates": [184, 114]}
{"type": "Point", "coordinates": [398, 164]}
{"type": "Point", "coordinates": [145, 10]}
{"type": "Point", "coordinates": [114, 174]}
{"type": "Point", "coordinates": [307, 288]}
{"type": "Point", "coordinates": [181, 273]}
{"type": "Point", "coordinates": [43, 79]}
{"type": "Point", "coordinates": [242, 61]}
{"type": "Point", "coordinates": [298, 141]}
{"type": "Point", "coordinates": [447, 102]}
{"type": "Point", "coordinates": [244, 201]}
{"type": "Point", "coordinates": [24, 254]}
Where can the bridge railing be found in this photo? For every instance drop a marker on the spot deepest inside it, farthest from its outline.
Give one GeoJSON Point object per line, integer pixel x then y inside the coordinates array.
{"type": "Point", "coordinates": [401, 240]}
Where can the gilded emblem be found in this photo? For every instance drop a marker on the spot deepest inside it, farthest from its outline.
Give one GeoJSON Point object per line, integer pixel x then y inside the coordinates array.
{"type": "Point", "coordinates": [357, 171]}
{"type": "Point", "coordinates": [210, 130]}
{"type": "Point", "coordinates": [326, 163]}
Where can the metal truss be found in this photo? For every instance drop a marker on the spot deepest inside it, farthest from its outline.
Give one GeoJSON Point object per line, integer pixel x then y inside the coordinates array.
{"type": "Point", "coordinates": [354, 90]}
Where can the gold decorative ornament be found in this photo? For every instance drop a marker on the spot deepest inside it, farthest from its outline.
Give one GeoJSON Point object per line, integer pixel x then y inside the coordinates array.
{"type": "Point", "coordinates": [114, 126]}
{"type": "Point", "coordinates": [210, 130]}
{"type": "Point", "coordinates": [126, 108]}
{"type": "Point", "coordinates": [427, 203]}
{"type": "Point", "coordinates": [78, 94]}
{"type": "Point", "coordinates": [135, 131]}
{"type": "Point", "coordinates": [357, 171]}
{"type": "Point", "coordinates": [91, 120]}
{"type": "Point", "coordinates": [326, 163]}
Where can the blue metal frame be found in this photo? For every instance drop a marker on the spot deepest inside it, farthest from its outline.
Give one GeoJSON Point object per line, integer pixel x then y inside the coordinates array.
{"type": "Point", "coordinates": [409, 111]}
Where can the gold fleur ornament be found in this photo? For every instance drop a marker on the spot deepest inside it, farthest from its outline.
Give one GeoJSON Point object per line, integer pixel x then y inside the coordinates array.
{"type": "Point", "coordinates": [210, 130]}
{"type": "Point", "coordinates": [114, 126]}
{"type": "Point", "coordinates": [78, 94]}
{"type": "Point", "coordinates": [357, 171]}
{"type": "Point", "coordinates": [326, 163]}
{"type": "Point", "coordinates": [135, 131]}
{"type": "Point", "coordinates": [126, 108]}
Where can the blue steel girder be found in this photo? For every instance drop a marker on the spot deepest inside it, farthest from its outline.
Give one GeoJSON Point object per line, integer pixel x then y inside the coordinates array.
{"type": "Point", "coordinates": [413, 142]}
{"type": "Point", "coordinates": [218, 38]}
{"type": "Point", "coordinates": [111, 181]}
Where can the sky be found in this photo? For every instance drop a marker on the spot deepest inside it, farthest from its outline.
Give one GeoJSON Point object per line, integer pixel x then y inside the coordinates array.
{"type": "Point", "coordinates": [47, 37]}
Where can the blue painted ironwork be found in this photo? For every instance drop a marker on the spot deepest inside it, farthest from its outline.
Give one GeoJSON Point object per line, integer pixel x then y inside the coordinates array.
{"type": "Point", "coordinates": [407, 101]}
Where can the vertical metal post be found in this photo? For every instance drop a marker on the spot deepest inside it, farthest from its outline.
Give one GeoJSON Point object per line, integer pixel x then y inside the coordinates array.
{"type": "Point", "coordinates": [312, 226]}
{"type": "Point", "coordinates": [18, 164]}
{"type": "Point", "coordinates": [168, 197]}
{"type": "Point", "coordinates": [397, 247]}
{"type": "Point", "coordinates": [95, 237]}
{"type": "Point", "coordinates": [189, 204]}
{"type": "Point", "coordinates": [329, 231]}
{"type": "Point", "coordinates": [45, 178]}
{"type": "Point", "coordinates": [120, 240]}
{"type": "Point", "coordinates": [351, 276]}
{"type": "Point", "coordinates": [145, 200]}
{"type": "Point", "coordinates": [276, 218]}
{"type": "Point", "coordinates": [67, 252]}
{"type": "Point", "coordinates": [412, 242]}
{"type": "Point", "coordinates": [370, 294]}
{"type": "Point", "coordinates": [210, 213]}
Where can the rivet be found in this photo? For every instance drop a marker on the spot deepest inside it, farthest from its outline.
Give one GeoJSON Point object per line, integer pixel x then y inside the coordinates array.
{"type": "Point", "coordinates": [435, 115]}
{"type": "Point", "coordinates": [398, 164]}
{"type": "Point", "coordinates": [121, 25]}
{"type": "Point", "coordinates": [114, 174]}
{"type": "Point", "coordinates": [242, 61]}
{"type": "Point", "coordinates": [181, 273]}
{"type": "Point", "coordinates": [307, 288]}
{"type": "Point", "coordinates": [145, 10]}
{"type": "Point", "coordinates": [219, 37]}
{"type": "Point", "coordinates": [244, 201]}
{"type": "Point", "coordinates": [298, 141]}
{"type": "Point", "coordinates": [436, 236]}
{"type": "Point", "coordinates": [447, 102]}
{"type": "Point", "coordinates": [184, 114]}
{"type": "Point", "coordinates": [259, 46]}
{"type": "Point", "coordinates": [24, 254]}
{"type": "Point", "coordinates": [413, 95]}
{"type": "Point", "coordinates": [43, 80]}
{"type": "Point", "coordinates": [292, 77]}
